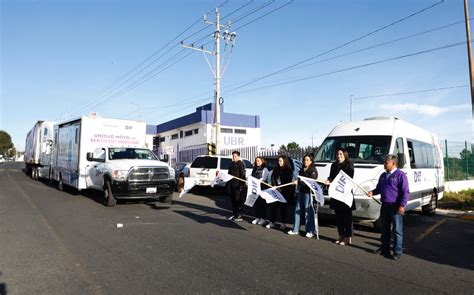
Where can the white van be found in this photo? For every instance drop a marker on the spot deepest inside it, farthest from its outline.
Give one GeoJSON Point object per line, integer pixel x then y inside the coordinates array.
{"type": "Point", "coordinates": [368, 142]}
{"type": "Point", "coordinates": [206, 168]}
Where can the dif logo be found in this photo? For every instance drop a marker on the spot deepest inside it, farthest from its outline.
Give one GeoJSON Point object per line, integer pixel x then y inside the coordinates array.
{"type": "Point", "coordinates": [128, 127]}
{"type": "Point", "coordinates": [417, 176]}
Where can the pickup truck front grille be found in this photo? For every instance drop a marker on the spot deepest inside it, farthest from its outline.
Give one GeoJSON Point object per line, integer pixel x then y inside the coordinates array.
{"type": "Point", "coordinates": [149, 174]}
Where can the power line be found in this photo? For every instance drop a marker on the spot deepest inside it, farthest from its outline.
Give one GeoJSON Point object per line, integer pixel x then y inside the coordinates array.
{"type": "Point", "coordinates": [262, 16]}
{"type": "Point", "coordinates": [338, 47]}
{"type": "Point", "coordinates": [411, 92]}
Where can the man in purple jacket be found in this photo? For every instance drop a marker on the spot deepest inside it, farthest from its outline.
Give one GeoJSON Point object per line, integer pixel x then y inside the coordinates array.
{"type": "Point", "coordinates": [394, 195]}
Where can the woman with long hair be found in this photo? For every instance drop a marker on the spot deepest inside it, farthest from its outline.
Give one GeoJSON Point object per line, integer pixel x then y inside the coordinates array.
{"type": "Point", "coordinates": [281, 174]}
{"type": "Point", "coordinates": [260, 171]}
{"type": "Point", "coordinates": [342, 211]}
{"type": "Point", "coordinates": [304, 204]}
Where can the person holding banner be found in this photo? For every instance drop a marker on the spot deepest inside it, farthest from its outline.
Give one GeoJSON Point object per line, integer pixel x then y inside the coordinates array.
{"type": "Point", "coordinates": [236, 186]}
{"type": "Point", "coordinates": [394, 195]}
{"type": "Point", "coordinates": [260, 172]}
{"type": "Point", "coordinates": [342, 211]}
{"type": "Point", "coordinates": [281, 174]}
{"type": "Point", "coordinates": [304, 203]}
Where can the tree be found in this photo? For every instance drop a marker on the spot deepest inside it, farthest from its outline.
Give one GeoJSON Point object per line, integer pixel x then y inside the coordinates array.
{"type": "Point", "coordinates": [292, 146]}
{"type": "Point", "coordinates": [5, 142]}
{"type": "Point", "coordinates": [282, 148]}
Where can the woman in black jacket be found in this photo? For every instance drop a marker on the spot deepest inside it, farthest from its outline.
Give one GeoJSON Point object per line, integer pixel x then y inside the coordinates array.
{"type": "Point", "coordinates": [281, 174]}
{"type": "Point", "coordinates": [342, 211]}
{"type": "Point", "coordinates": [260, 171]}
{"type": "Point", "coordinates": [304, 204]}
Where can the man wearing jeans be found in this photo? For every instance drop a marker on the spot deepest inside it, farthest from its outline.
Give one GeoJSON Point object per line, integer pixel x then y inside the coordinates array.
{"type": "Point", "coordinates": [394, 194]}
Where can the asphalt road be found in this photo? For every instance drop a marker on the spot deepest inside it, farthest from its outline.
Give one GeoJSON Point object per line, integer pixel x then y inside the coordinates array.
{"type": "Point", "coordinates": [54, 242]}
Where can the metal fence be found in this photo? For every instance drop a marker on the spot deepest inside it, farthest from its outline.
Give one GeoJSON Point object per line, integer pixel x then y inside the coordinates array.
{"type": "Point", "coordinates": [458, 160]}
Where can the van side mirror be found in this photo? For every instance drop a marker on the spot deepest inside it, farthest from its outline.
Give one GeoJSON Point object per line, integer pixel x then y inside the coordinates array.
{"type": "Point", "coordinates": [165, 158]}
{"type": "Point", "coordinates": [401, 160]}
{"type": "Point", "coordinates": [90, 157]}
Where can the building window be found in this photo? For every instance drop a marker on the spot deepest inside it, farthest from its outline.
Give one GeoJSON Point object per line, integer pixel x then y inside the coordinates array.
{"type": "Point", "coordinates": [226, 130]}
{"type": "Point", "coordinates": [240, 131]}
{"type": "Point", "coordinates": [188, 133]}
{"type": "Point", "coordinates": [196, 131]}
{"type": "Point", "coordinates": [181, 134]}
{"type": "Point", "coordinates": [174, 136]}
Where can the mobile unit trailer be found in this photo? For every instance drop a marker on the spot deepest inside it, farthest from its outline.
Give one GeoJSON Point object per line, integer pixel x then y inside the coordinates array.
{"type": "Point", "coordinates": [368, 142]}
{"type": "Point", "coordinates": [38, 150]}
{"type": "Point", "coordinates": [109, 155]}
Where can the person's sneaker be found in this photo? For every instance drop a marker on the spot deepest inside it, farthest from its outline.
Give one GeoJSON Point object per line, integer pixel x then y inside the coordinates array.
{"type": "Point", "coordinates": [230, 217]}
{"type": "Point", "coordinates": [238, 218]}
{"type": "Point", "coordinates": [262, 221]}
{"type": "Point", "coordinates": [270, 225]}
{"type": "Point", "coordinates": [256, 221]}
{"type": "Point", "coordinates": [396, 256]}
{"type": "Point", "coordinates": [292, 233]}
{"type": "Point", "coordinates": [309, 235]}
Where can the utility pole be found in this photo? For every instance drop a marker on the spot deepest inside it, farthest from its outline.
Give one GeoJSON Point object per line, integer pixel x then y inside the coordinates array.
{"type": "Point", "coordinates": [469, 54]}
{"type": "Point", "coordinates": [217, 71]}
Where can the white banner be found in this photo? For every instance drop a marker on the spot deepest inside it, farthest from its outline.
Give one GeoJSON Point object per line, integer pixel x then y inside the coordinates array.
{"type": "Point", "coordinates": [341, 188]}
{"type": "Point", "coordinates": [272, 195]}
{"type": "Point", "coordinates": [189, 183]}
{"type": "Point", "coordinates": [315, 188]}
{"type": "Point", "coordinates": [222, 177]}
{"type": "Point", "coordinates": [253, 190]}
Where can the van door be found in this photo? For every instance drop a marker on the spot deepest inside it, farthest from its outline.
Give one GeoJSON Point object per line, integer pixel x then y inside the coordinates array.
{"type": "Point", "coordinates": [95, 170]}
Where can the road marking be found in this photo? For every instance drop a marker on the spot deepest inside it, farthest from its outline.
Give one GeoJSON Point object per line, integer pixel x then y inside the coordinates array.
{"type": "Point", "coordinates": [83, 272]}
{"type": "Point", "coordinates": [429, 230]}
{"type": "Point", "coordinates": [467, 217]}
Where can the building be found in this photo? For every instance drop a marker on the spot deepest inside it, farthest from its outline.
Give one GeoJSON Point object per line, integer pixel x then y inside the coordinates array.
{"type": "Point", "coordinates": [186, 137]}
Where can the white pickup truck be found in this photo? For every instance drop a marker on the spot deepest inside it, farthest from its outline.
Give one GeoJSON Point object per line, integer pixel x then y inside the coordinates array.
{"type": "Point", "coordinates": [109, 155]}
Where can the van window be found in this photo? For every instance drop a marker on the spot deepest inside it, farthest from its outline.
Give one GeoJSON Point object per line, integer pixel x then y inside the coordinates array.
{"type": "Point", "coordinates": [205, 162]}
{"type": "Point", "coordinates": [422, 154]}
{"type": "Point", "coordinates": [45, 131]}
{"type": "Point", "coordinates": [361, 149]}
{"type": "Point", "coordinates": [399, 149]}
{"type": "Point", "coordinates": [225, 163]}
{"type": "Point", "coordinates": [248, 164]}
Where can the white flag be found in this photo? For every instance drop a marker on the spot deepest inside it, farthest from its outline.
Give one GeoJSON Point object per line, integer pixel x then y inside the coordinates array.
{"type": "Point", "coordinates": [341, 188]}
{"type": "Point", "coordinates": [189, 183]}
{"type": "Point", "coordinates": [272, 195]}
{"type": "Point", "coordinates": [221, 177]}
{"type": "Point", "coordinates": [315, 188]}
{"type": "Point", "coordinates": [253, 190]}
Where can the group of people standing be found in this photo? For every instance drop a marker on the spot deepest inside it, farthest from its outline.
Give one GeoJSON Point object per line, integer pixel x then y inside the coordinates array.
{"type": "Point", "coordinates": [392, 186]}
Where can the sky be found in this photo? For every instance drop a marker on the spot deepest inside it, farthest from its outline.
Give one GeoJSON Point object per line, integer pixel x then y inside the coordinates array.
{"type": "Point", "coordinates": [123, 59]}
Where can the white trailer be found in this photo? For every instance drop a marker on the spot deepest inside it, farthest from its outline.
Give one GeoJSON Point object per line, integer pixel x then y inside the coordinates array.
{"type": "Point", "coordinates": [38, 150]}
{"type": "Point", "coordinates": [368, 142]}
{"type": "Point", "coordinates": [109, 155]}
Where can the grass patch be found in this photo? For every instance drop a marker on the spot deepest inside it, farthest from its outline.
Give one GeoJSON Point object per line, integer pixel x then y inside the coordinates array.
{"type": "Point", "coordinates": [460, 200]}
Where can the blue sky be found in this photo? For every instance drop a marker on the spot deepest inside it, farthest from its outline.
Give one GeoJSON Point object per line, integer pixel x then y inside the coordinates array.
{"type": "Point", "coordinates": [59, 58]}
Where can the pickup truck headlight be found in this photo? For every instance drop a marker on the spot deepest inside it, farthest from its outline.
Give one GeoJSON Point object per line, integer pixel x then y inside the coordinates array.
{"type": "Point", "coordinates": [120, 175]}
{"type": "Point", "coordinates": [172, 173]}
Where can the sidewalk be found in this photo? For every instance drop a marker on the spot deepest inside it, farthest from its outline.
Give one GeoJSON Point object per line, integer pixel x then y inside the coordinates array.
{"type": "Point", "coordinates": [465, 215]}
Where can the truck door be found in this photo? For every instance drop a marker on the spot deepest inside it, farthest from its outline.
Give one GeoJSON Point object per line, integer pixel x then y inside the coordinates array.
{"type": "Point", "coordinates": [95, 173]}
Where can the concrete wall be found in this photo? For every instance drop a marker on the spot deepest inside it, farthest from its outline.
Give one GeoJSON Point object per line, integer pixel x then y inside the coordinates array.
{"type": "Point", "coordinates": [456, 186]}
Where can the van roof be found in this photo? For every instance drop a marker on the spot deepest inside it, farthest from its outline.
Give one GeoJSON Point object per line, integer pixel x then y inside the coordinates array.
{"type": "Point", "coordinates": [391, 126]}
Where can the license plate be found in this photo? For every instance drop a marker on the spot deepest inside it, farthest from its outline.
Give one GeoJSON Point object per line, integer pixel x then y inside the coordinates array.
{"type": "Point", "coordinates": [151, 190]}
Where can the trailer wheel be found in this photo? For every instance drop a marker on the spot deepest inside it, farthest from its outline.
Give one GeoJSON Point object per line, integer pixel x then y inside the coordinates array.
{"type": "Point", "coordinates": [110, 200]}
{"type": "Point", "coordinates": [430, 208]}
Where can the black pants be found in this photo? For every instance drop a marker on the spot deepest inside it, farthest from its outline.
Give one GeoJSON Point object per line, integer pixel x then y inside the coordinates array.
{"type": "Point", "coordinates": [236, 199]}
{"type": "Point", "coordinates": [260, 208]}
{"type": "Point", "coordinates": [344, 221]}
{"type": "Point", "coordinates": [278, 207]}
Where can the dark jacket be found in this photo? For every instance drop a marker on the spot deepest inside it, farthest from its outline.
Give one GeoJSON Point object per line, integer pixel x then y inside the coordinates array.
{"type": "Point", "coordinates": [348, 168]}
{"type": "Point", "coordinates": [311, 172]}
{"type": "Point", "coordinates": [285, 176]}
{"type": "Point", "coordinates": [237, 169]}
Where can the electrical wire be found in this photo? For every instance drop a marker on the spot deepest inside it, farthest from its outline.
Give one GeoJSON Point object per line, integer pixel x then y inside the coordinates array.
{"type": "Point", "coordinates": [410, 92]}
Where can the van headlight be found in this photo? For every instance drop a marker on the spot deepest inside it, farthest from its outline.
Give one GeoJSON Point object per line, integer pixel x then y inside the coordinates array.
{"type": "Point", "coordinates": [120, 175]}
{"type": "Point", "coordinates": [172, 173]}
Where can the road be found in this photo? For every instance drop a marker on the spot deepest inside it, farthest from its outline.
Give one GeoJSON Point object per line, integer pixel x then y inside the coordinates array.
{"type": "Point", "coordinates": [54, 242]}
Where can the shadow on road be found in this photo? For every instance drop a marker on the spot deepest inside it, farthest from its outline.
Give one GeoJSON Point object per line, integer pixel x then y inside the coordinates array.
{"type": "Point", "coordinates": [3, 289]}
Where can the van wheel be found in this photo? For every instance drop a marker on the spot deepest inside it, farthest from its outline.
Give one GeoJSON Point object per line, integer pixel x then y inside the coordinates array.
{"type": "Point", "coordinates": [110, 200]}
{"type": "Point", "coordinates": [430, 208]}
{"type": "Point", "coordinates": [60, 184]}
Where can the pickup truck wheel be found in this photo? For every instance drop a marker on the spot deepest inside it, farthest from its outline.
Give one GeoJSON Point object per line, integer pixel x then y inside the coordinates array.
{"type": "Point", "coordinates": [110, 200]}
{"type": "Point", "coordinates": [166, 199]}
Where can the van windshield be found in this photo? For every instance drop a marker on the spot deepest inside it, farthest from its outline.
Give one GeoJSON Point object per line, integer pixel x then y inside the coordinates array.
{"type": "Point", "coordinates": [361, 149]}
{"type": "Point", "coordinates": [131, 153]}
